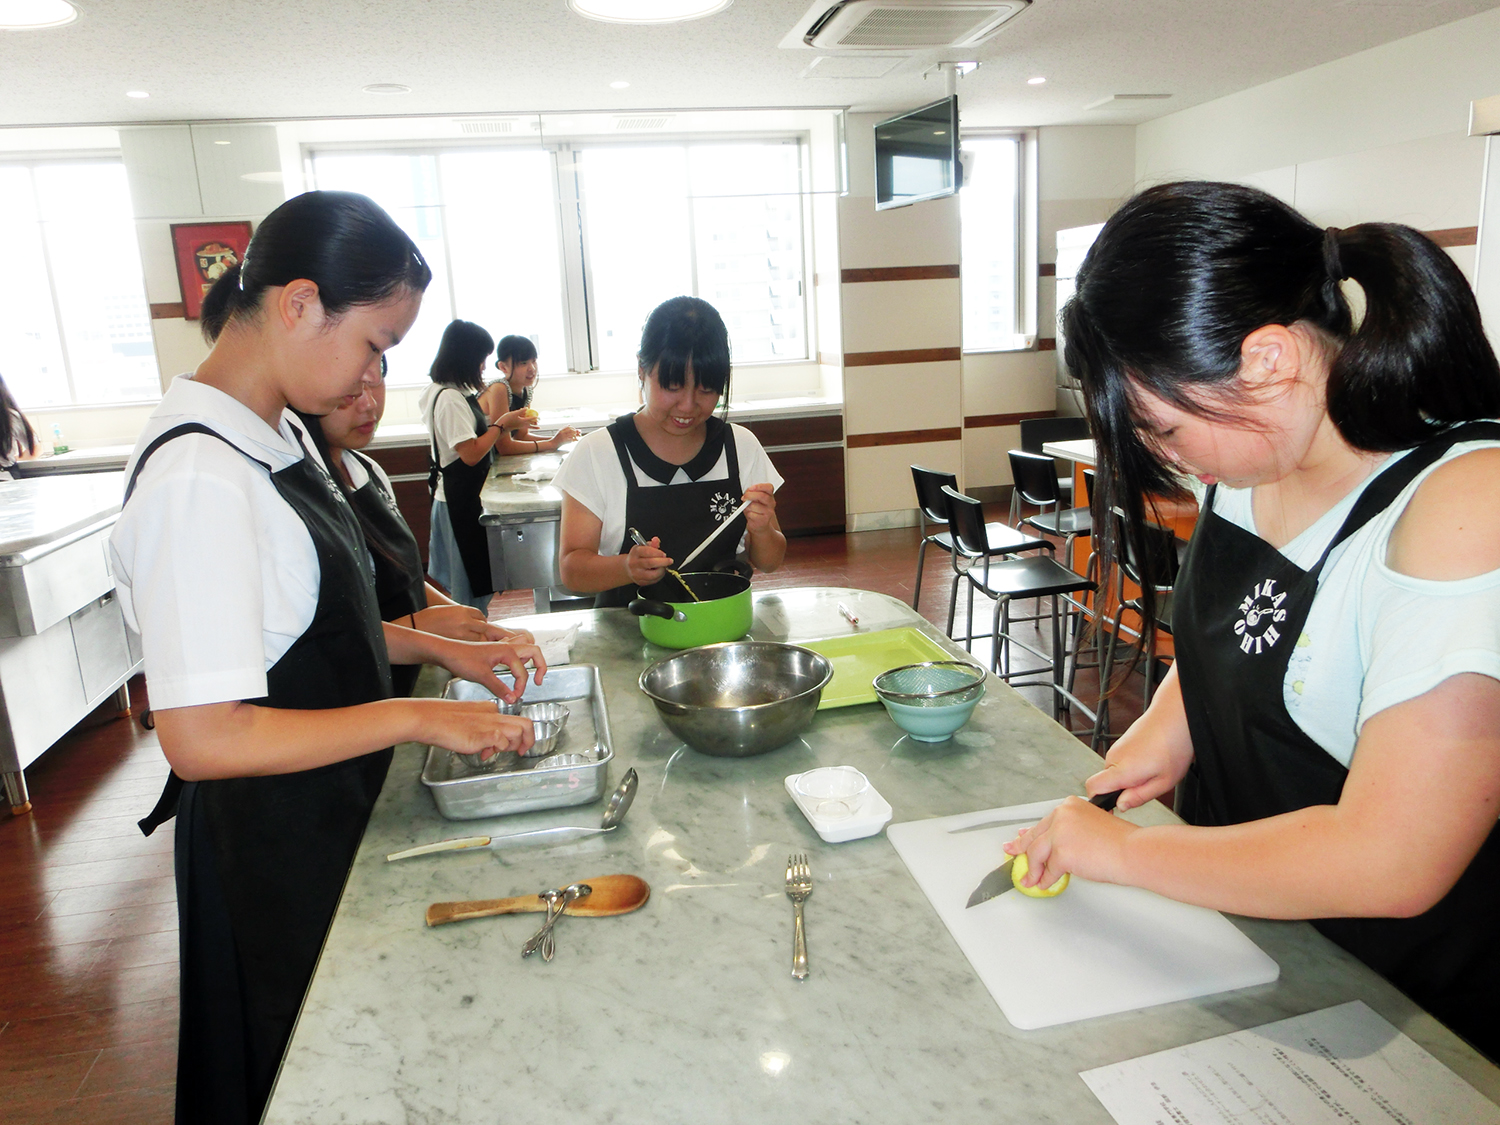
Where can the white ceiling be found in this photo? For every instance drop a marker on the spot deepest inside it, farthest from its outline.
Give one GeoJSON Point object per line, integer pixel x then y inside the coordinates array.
{"type": "Point", "coordinates": [258, 59]}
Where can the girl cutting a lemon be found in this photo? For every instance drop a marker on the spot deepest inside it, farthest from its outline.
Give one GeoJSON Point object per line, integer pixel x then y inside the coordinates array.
{"type": "Point", "coordinates": [1331, 726]}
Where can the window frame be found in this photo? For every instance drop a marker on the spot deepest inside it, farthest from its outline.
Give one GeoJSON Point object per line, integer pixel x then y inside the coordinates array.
{"type": "Point", "coordinates": [582, 346]}
{"type": "Point", "coordinates": [30, 161]}
{"type": "Point", "coordinates": [1027, 236]}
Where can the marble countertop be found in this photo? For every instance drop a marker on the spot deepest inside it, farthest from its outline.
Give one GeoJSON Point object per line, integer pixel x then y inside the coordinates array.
{"type": "Point", "coordinates": [686, 1011]}
{"type": "Point", "coordinates": [38, 513]}
{"type": "Point", "coordinates": [503, 494]}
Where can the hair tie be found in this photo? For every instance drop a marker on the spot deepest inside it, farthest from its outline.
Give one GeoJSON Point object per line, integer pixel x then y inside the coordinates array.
{"type": "Point", "coordinates": [1332, 263]}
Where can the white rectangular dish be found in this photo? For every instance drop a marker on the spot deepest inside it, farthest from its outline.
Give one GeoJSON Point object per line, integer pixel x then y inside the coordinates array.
{"type": "Point", "coordinates": [873, 814]}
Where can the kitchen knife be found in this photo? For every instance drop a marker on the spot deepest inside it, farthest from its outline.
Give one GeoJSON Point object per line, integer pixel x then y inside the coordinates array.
{"type": "Point", "coordinates": [998, 881]}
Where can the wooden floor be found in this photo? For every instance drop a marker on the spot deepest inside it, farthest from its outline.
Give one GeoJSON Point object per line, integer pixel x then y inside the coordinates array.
{"type": "Point", "coordinates": [88, 923]}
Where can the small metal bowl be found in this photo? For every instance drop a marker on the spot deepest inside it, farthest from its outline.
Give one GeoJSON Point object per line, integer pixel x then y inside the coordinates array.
{"type": "Point", "coordinates": [738, 699]}
{"type": "Point", "coordinates": [547, 733]}
{"type": "Point", "coordinates": [546, 713]}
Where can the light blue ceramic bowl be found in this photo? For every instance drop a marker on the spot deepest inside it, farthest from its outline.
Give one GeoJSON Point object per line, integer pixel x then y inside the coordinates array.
{"type": "Point", "coordinates": [930, 701]}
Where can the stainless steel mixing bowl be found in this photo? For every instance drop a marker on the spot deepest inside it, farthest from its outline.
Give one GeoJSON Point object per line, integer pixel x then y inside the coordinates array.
{"type": "Point", "coordinates": [738, 699]}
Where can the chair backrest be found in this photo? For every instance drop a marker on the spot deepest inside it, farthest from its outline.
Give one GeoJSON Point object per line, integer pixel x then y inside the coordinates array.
{"type": "Point", "coordinates": [966, 523]}
{"type": "Point", "coordinates": [1035, 477]}
{"type": "Point", "coordinates": [1088, 486]}
{"type": "Point", "coordinates": [1158, 562]}
{"type": "Point", "coordinates": [930, 499]}
{"type": "Point", "coordinates": [1035, 432]}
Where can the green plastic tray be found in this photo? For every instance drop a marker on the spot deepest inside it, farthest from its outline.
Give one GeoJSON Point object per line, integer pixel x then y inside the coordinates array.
{"type": "Point", "coordinates": [858, 659]}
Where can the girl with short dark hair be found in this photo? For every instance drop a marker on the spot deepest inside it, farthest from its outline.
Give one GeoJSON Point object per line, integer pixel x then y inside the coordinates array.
{"type": "Point", "coordinates": [516, 360]}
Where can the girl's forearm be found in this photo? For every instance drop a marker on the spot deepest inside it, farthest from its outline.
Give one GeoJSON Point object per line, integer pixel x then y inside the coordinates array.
{"type": "Point", "coordinates": [588, 572]}
{"type": "Point", "coordinates": [767, 548]}
{"type": "Point", "coordinates": [221, 740]}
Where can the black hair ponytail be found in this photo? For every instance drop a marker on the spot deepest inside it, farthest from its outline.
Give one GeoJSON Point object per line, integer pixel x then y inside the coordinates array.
{"type": "Point", "coordinates": [1420, 357]}
{"type": "Point", "coordinates": [341, 241]}
{"type": "Point", "coordinates": [1182, 273]}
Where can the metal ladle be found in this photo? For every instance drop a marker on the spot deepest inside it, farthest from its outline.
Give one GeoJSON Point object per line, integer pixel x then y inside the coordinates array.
{"type": "Point", "coordinates": [614, 812]}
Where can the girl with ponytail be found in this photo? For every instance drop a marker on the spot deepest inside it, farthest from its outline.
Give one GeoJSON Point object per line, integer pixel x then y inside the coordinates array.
{"type": "Point", "coordinates": [244, 570]}
{"type": "Point", "coordinates": [1331, 726]}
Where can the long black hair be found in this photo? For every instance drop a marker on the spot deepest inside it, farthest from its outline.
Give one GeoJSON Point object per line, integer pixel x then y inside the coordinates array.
{"type": "Point", "coordinates": [1182, 273]}
{"type": "Point", "coordinates": [686, 330]}
{"type": "Point", "coordinates": [16, 434]}
{"type": "Point", "coordinates": [513, 350]}
{"type": "Point", "coordinates": [461, 355]}
{"type": "Point", "coordinates": [341, 241]}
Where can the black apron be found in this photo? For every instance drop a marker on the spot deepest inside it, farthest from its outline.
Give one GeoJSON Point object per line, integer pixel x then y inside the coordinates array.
{"type": "Point", "coordinates": [261, 861]}
{"type": "Point", "coordinates": [681, 515]}
{"type": "Point", "coordinates": [400, 583]}
{"type": "Point", "coordinates": [1238, 611]}
{"type": "Point", "coordinates": [461, 485]}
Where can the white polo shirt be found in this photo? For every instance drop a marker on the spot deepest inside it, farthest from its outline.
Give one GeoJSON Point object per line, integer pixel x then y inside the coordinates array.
{"type": "Point", "coordinates": [214, 569]}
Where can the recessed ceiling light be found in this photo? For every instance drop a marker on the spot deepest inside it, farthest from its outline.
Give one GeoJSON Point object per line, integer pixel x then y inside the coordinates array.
{"type": "Point", "coordinates": [618, 85]}
{"type": "Point", "coordinates": [647, 11]}
{"type": "Point", "coordinates": [387, 88]}
{"type": "Point", "coordinates": [221, 142]}
{"type": "Point", "coordinates": [30, 15]}
{"type": "Point", "coordinates": [1037, 81]}
{"type": "Point", "coordinates": [136, 94]}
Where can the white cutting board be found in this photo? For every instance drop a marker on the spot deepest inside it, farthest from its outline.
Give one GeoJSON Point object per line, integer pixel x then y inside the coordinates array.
{"type": "Point", "coordinates": [1091, 951]}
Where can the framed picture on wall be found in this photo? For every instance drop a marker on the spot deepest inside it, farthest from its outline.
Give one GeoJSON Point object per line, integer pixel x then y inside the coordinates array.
{"type": "Point", "coordinates": [204, 251]}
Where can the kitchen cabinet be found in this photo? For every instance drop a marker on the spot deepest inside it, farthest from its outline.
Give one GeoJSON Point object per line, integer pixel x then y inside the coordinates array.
{"type": "Point", "coordinates": [64, 645]}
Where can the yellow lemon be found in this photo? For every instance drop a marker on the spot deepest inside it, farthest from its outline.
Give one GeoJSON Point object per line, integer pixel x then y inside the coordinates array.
{"type": "Point", "coordinates": [1018, 872]}
{"type": "Point", "coordinates": [532, 414]}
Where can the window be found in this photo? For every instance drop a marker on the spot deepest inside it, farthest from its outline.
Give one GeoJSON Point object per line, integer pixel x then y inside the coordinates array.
{"type": "Point", "coordinates": [513, 233]}
{"type": "Point", "coordinates": [990, 211]}
{"type": "Point", "coordinates": [74, 324]}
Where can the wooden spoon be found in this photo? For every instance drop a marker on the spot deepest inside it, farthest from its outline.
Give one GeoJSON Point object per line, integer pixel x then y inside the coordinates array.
{"type": "Point", "coordinates": [613, 894]}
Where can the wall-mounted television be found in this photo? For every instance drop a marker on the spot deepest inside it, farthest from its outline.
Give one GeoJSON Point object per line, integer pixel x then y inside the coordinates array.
{"type": "Point", "coordinates": [916, 155]}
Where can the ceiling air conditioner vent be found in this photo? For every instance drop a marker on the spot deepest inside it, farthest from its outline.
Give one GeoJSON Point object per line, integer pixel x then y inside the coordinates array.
{"type": "Point", "coordinates": [658, 121]}
{"type": "Point", "coordinates": [909, 25]}
{"type": "Point", "coordinates": [490, 125]}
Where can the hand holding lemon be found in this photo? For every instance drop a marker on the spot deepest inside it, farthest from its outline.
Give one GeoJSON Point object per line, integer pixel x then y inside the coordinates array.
{"type": "Point", "coordinates": [1018, 871]}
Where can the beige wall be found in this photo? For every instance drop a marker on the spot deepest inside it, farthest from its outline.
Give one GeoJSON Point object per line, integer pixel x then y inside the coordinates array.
{"type": "Point", "coordinates": [1376, 136]}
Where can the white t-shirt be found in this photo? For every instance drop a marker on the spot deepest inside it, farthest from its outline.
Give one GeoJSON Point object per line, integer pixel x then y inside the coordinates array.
{"type": "Point", "coordinates": [592, 476]}
{"type": "Point", "coordinates": [214, 569]}
{"type": "Point", "coordinates": [360, 471]}
{"type": "Point", "coordinates": [445, 409]}
{"type": "Point", "coordinates": [1375, 638]}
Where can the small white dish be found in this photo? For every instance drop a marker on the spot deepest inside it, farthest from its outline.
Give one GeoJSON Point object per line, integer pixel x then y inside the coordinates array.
{"type": "Point", "coordinates": [870, 814]}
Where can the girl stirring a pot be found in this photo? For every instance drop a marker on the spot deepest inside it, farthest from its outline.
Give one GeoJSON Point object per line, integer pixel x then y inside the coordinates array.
{"type": "Point", "coordinates": [1332, 722]}
{"type": "Point", "coordinates": [672, 469]}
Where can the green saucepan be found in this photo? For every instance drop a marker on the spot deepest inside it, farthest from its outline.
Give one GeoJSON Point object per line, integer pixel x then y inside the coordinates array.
{"type": "Point", "coordinates": [672, 619]}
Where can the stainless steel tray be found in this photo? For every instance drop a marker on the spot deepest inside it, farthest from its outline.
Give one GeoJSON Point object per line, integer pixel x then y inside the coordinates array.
{"type": "Point", "coordinates": [517, 784]}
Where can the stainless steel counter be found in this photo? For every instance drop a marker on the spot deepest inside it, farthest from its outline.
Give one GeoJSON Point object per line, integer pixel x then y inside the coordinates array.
{"type": "Point", "coordinates": [63, 642]}
{"type": "Point", "coordinates": [686, 1011]}
{"type": "Point", "coordinates": [522, 519]}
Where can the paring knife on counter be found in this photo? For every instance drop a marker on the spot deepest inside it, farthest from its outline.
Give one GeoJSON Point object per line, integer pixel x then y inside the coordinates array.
{"type": "Point", "coordinates": [998, 881]}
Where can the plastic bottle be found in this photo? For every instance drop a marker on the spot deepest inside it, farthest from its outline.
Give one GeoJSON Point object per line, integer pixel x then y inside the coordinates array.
{"type": "Point", "coordinates": [58, 444]}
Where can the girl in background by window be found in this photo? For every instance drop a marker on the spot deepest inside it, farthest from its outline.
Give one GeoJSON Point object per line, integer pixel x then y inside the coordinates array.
{"type": "Point", "coordinates": [463, 445]}
{"type": "Point", "coordinates": [17, 438]}
{"type": "Point", "coordinates": [515, 358]}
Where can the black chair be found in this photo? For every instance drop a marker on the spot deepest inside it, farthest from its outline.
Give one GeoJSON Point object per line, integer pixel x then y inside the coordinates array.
{"type": "Point", "coordinates": [932, 505]}
{"type": "Point", "coordinates": [1037, 576]}
{"type": "Point", "coordinates": [1034, 478]}
{"type": "Point", "coordinates": [1155, 564]}
{"type": "Point", "coordinates": [1037, 432]}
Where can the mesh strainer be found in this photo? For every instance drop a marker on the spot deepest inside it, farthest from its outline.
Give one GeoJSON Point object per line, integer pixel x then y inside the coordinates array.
{"type": "Point", "coordinates": [940, 683]}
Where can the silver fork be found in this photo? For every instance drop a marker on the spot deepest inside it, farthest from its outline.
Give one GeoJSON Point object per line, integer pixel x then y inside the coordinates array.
{"type": "Point", "coordinates": [798, 886]}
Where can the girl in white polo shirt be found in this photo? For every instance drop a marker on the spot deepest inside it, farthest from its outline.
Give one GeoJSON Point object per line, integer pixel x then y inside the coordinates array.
{"type": "Point", "coordinates": [242, 567]}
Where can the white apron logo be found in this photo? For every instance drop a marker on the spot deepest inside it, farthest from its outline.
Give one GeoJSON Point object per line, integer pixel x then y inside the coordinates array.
{"type": "Point", "coordinates": [1260, 613]}
{"type": "Point", "coordinates": [721, 505]}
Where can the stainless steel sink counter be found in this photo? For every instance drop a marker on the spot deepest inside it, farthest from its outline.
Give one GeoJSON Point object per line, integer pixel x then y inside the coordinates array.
{"type": "Point", "coordinates": [63, 642]}
{"type": "Point", "coordinates": [686, 1011]}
